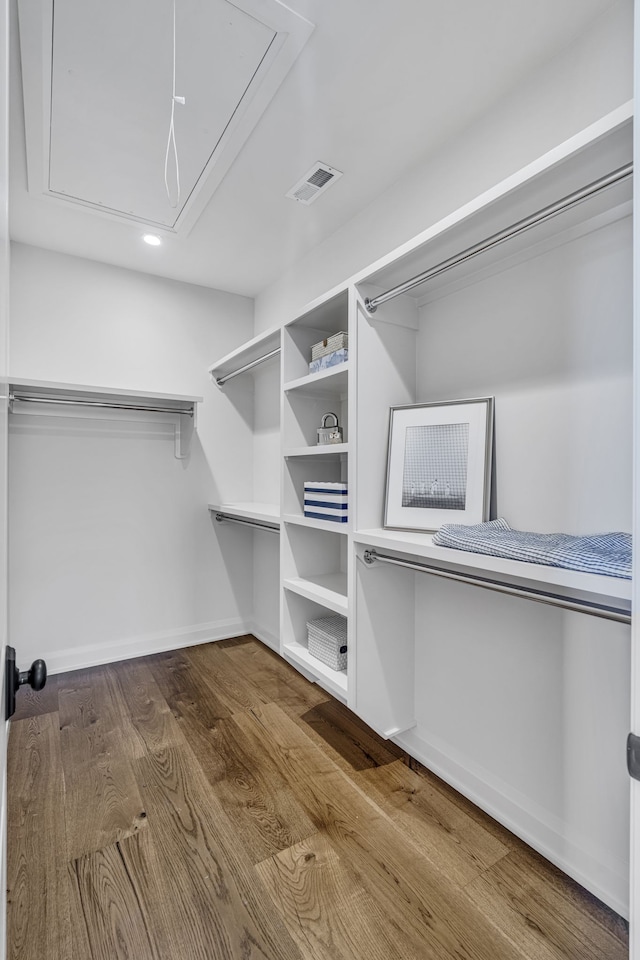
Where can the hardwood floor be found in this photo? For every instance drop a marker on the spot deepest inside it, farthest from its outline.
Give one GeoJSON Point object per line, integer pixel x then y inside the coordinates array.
{"type": "Point", "coordinates": [210, 804]}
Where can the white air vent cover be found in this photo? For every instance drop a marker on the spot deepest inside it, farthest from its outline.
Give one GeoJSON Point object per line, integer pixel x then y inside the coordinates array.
{"type": "Point", "coordinates": [314, 182]}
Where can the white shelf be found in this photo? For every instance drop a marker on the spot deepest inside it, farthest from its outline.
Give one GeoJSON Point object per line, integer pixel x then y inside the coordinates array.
{"type": "Point", "coordinates": [328, 589]}
{"type": "Point", "coordinates": [248, 353]}
{"type": "Point", "coordinates": [322, 450]}
{"type": "Point", "coordinates": [327, 313]}
{"type": "Point", "coordinates": [331, 525]}
{"type": "Point", "coordinates": [609, 590]}
{"type": "Point", "coordinates": [335, 681]}
{"type": "Point", "coordinates": [592, 153]}
{"type": "Point", "coordinates": [268, 513]}
{"type": "Point", "coordinates": [43, 389]}
{"type": "Point", "coordinates": [51, 399]}
{"type": "Point", "coordinates": [326, 383]}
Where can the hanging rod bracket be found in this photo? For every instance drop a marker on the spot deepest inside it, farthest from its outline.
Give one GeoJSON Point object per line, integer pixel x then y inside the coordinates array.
{"type": "Point", "coordinates": [369, 305]}
{"type": "Point", "coordinates": [369, 556]}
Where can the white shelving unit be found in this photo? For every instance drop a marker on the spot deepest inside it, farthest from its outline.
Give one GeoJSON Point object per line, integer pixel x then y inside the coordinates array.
{"type": "Point", "coordinates": [493, 692]}
{"type": "Point", "coordinates": [463, 677]}
{"type": "Point", "coordinates": [314, 555]}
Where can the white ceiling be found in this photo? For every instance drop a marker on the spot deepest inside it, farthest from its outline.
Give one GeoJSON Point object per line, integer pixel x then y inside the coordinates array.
{"type": "Point", "coordinates": [378, 86]}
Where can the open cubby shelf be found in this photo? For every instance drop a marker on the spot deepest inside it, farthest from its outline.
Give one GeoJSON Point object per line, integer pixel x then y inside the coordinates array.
{"type": "Point", "coordinates": [326, 383]}
{"type": "Point", "coordinates": [328, 589]}
{"type": "Point", "coordinates": [335, 681]}
{"type": "Point", "coordinates": [322, 450]}
{"type": "Point", "coordinates": [330, 526]}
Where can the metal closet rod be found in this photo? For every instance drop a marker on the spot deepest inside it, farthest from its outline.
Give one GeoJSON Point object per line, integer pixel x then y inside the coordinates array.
{"type": "Point", "coordinates": [225, 518]}
{"type": "Point", "coordinates": [79, 401]}
{"type": "Point", "coordinates": [546, 213]}
{"type": "Point", "coordinates": [247, 366]}
{"type": "Point", "coordinates": [579, 606]}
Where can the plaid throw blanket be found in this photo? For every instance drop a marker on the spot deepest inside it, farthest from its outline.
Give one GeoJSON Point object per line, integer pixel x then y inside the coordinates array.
{"type": "Point", "coordinates": [604, 553]}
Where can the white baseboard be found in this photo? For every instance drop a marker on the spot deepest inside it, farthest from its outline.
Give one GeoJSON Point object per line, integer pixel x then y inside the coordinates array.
{"type": "Point", "coordinates": [606, 880]}
{"type": "Point", "coordinates": [264, 635]}
{"type": "Point", "coordinates": [94, 655]}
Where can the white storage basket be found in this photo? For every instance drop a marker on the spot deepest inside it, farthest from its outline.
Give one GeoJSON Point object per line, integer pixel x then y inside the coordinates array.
{"type": "Point", "coordinates": [327, 638]}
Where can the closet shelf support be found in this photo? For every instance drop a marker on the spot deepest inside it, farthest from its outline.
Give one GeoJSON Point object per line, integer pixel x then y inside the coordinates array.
{"type": "Point", "coordinates": [539, 596]}
{"type": "Point", "coordinates": [514, 230]}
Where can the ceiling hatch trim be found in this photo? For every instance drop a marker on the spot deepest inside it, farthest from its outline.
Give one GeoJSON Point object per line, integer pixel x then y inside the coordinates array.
{"type": "Point", "coordinates": [97, 108]}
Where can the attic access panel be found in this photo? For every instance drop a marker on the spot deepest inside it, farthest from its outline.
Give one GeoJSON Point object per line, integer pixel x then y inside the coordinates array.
{"type": "Point", "coordinates": [98, 104]}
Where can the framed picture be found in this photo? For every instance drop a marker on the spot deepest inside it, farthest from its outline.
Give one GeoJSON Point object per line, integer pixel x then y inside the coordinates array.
{"type": "Point", "coordinates": [439, 464]}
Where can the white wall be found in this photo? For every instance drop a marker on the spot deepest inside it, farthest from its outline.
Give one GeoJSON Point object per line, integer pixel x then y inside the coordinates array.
{"type": "Point", "coordinates": [112, 551]}
{"type": "Point", "coordinates": [592, 77]}
{"type": "Point", "coordinates": [266, 433]}
{"type": "Point", "coordinates": [551, 339]}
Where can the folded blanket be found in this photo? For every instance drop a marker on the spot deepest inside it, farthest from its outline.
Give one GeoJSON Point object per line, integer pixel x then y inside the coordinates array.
{"type": "Point", "coordinates": [603, 553]}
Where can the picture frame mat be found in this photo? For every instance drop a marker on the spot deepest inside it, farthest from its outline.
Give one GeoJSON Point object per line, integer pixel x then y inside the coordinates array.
{"type": "Point", "coordinates": [478, 414]}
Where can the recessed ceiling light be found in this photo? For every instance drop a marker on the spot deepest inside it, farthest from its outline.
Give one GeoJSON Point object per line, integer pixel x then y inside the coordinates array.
{"type": "Point", "coordinates": [152, 240]}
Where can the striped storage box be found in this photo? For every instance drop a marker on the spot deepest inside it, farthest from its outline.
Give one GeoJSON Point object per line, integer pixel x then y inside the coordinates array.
{"type": "Point", "coordinates": [329, 360]}
{"type": "Point", "coordinates": [339, 341]}
{"type": "Point", "coordinates": [327, 637]}
{"type": "Point", "coordinates": [326, 501]}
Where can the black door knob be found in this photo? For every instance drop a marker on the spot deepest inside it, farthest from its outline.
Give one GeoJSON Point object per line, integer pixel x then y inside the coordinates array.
{"type": "Point", "coordinates": [36, 677]}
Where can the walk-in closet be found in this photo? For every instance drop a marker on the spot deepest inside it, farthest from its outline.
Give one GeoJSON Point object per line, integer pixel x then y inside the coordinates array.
{"type": "Point", "coordinates": [319, 488]}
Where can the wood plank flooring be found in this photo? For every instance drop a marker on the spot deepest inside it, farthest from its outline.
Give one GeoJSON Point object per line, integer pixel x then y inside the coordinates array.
{"type": "Point", "coordinates": [210, 804]}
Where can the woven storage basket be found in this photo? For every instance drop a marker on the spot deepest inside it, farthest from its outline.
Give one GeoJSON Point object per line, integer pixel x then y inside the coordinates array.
{"type": "Point", "coordinates": [338, 341]}
{"type": "Point", "coordinates": [328, 641]}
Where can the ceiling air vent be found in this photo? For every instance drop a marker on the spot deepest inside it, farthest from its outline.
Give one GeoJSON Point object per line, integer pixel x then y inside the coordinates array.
{"type": "Point", "coordinates": [314, 182]}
